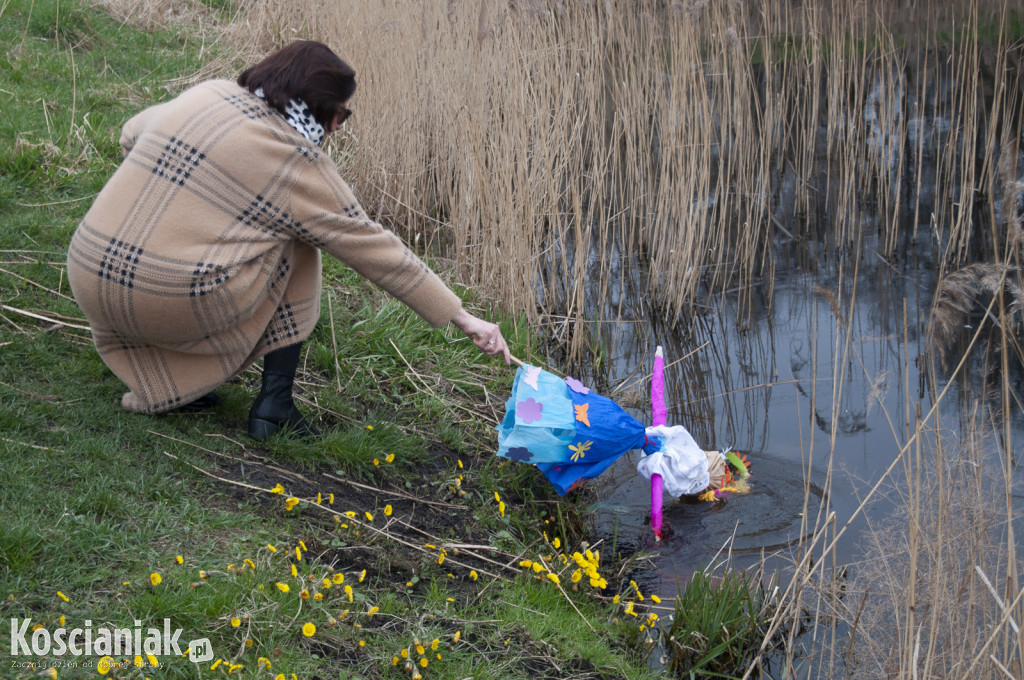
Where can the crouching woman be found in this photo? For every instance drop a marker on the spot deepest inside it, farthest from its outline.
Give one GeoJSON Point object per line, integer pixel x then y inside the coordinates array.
{"type": "Point", "coordinates": [202, 253]}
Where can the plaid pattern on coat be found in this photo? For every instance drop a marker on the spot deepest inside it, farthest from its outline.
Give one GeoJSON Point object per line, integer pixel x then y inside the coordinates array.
{"type": "Point", "coordinates": [202, 252]}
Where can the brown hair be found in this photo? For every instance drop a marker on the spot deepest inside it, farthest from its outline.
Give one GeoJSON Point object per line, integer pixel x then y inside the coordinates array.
{"type": "Point", "coordinates": [305, 70]}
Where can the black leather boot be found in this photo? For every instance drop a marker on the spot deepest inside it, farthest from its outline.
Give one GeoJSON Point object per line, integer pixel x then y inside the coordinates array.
{"type": "Point", "coordinates": [274, 408]}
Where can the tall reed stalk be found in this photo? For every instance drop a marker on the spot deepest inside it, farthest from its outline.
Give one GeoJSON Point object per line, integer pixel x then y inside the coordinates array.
{"type": "Point", "coordinates": [533, 143]}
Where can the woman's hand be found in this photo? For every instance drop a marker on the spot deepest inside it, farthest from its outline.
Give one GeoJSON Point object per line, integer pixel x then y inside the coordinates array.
{"type": "Point", "coordinates": [484, 334]}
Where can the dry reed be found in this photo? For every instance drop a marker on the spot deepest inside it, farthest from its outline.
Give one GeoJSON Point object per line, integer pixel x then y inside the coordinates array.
{"type": "Point", "coordinates": [535, 144]}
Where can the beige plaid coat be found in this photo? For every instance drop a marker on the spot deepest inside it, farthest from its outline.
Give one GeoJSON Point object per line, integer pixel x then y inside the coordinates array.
{"type": "Point", "coordinates": [202, 252]}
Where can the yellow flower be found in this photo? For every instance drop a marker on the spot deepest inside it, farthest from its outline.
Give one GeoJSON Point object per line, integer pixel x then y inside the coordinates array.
{"type": "Point", "coordinates": [434, 643]}
{"type": "Point", "coordinates": [351, 514]}
{"type": "Point", "coordinates": [298, 553]}
{"type": "Point", "coordinates": [369, 516]}
{"type": "Point", "coordinates": [553, 578]}
{"type": "Point", "coordinates": [460, 463]}
{"type": "Point", "coordinates": [271, 548]}
{"type": "Point", "coordinates": [376, 461]}
{"type": "Point", "coordinates": [404, 653]}
{"type": "Point", "coordinates": [362, 643]}
{"type": "Point", "coordinates": [250, 563]}
{"type": "Point", "coordinates": [497, 498]}
{"type": "Point", "coordinates": [338, 578]}
{"type": "Point", "coordinates": [283, 587]}
{"type": "Point", "coordinates": [387, 511]}
{"type": "Point", "coordinates": [234, 667]}
{"type": "Point", "coordinates": [51, 673]}
{"type": "Point", "coordinates": [473, 575]}
{"type": "Point", "coordinates": [330, 499]}
{"type": "Point", "coordinates": [263, 661]}
{"type": "Point", "coordinates": [279, 676]}
{"type": "Point", "coordinates": [277, 489]}
{"type": "Point", "coordinates": [373, 610]}
{"type": "Point", "coordinates": [348, 592]}
{"type": "Point", "coordinates": [639, 595]}
{"type": "Point", "coordinates": [577, 575]}
{"type": "Point", "coordinates": [326, 583]}
{"type": "Point", "coordinates": [36, 627]}
{"type": "Point", "coordinates": [557, 543]}
{"type": "Point", "coordinates": [440, 557]}
{"type": "Point", "coordinates": [369, 427]}
{"type": "Point", "coordinates": [291, 503]}
{"type": "Point", "coordinates": [424, 662]}
{"type": "Point", "coordinates": [394, 661]}
{"type": "Point", "coordinates": [216, 664]}
{"type": "Point", "coordinates": [63, 596]}
{"type": "Point", "coordinates": [615, 600]}
{"type": "Point", "coordinates": [203, 575]}
{"type": "Point", "coordinates": [501, 508]}
{"type": "Point", "coordinates": [104, 664]}
{"type": "Point", "coordinates": [308, 629]}
{"type": "Point", "coordinates": [179, 559]}
{"type": "Point", "coordinates": [295, 572]}
{"type": "Point", "coordinates": [420, 650]}
{"type": "Point", "coordinates": [319, 498]}
{"type": "Point", "coordinates": [61, 619]}
{"type": "Point", "coordinates": [458, 634]}
{"type": "Point", "coordinates": [390, 458]}
{"type": "Point", "coordinates": [152, 660]}
{"type": "Point", "coordinates": [248, 642]}
{"type": "Point", "coordinates": [155, 578]}
{"type": "Point", "coordinates": [656, 599]}
{"type": "Point", "coordinates": [362, 575]}
{"type": "Point", "coordinates": [304, 594]}
{"type": "Point", "coordinates": [318, 597]}
{"type": "Point", "coordinates": [236, 622]}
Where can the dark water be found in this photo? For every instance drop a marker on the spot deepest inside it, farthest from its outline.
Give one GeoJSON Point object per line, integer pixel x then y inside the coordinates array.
{"type": "Point", "coordinates": [820, 405]}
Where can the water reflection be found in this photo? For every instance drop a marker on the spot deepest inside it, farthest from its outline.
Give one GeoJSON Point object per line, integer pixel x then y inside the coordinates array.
{"type": "Point", "coordinates": [817, 382]}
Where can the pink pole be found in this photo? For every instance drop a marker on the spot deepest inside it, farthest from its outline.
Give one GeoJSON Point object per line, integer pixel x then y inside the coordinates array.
{"type": "Point", "coordinates": [658, 417]}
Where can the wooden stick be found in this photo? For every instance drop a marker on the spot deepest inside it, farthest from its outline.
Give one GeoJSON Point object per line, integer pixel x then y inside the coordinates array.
{"type": "Point", "coordinates": [37, 285]}
{"type": "Point", "coordinates": [44, 318]}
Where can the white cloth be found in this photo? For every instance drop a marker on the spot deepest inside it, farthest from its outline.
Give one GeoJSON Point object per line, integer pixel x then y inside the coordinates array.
{"type": "Point", "coordinates": [682, 464]}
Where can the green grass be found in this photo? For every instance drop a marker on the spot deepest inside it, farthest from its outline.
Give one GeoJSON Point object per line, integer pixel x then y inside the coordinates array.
{"type": "Point", "coordinates": [719, 623]}
{"type": "Point", "coordinates": [95, 499]}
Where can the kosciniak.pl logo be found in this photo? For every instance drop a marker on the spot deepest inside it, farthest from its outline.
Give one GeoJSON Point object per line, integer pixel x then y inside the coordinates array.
{"type": "Point", "coordinates": [104, 641]}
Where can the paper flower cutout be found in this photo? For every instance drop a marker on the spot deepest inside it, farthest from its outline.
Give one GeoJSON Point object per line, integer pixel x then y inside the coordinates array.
{"type": "Point", "coordinates": [529, 410]}
{"type": "Point", "coordinates": [581, 413]}
{"type": "Point", "coordinates": [579, 450]}
{"type": "Point", "coordinates": [576, 386]}
{"type": "Point", "coordinates": [531, 375]}
{"type": "Point", "coordinates": [520, 453]}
